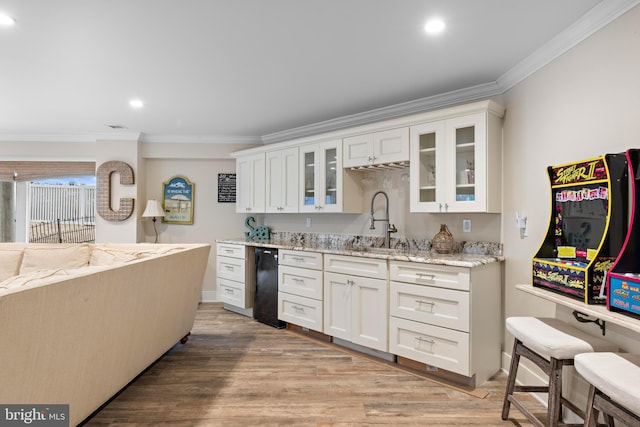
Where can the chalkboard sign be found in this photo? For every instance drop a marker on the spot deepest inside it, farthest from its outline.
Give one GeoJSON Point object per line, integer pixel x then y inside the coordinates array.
{"type": "Point", "coordinates": [226, 188]}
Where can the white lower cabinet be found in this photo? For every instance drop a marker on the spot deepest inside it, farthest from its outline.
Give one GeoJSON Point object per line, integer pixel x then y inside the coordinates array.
{"type": "Point", "coordinates": [300, 288]}
{"type": "Point", "coordinates": [356, 307]}
{"type": "Point", "coordinates": [447, 317]}
{"type": "Point", "coordinates": [234, 274]}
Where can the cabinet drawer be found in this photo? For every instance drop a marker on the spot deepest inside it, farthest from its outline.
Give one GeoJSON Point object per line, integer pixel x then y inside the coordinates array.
{"type": "Point", "coordinates": [300, 281]}
{"type": "Point", "coordinates": [429, 274]}
{"type": "Point", "coordinates": [356, 266]}
{"type": "Point", "coordinates": [435, 346]}
{"type": "Point", "coordinates": [234, 293]}
{"type": "Point", "coordinates": [231, 268]}
{"type": "Point", "coordinates": [437, 306]}
{"type": "Point", "coordinates": [230, 250]}
{"type": "Point", "coordinates": [301, 311]}
{"type": "Point", "coordinates": [304, 259]}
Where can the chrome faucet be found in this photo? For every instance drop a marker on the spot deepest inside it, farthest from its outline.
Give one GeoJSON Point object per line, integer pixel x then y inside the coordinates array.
{"type": "Point", "coordinates": [388, 228]}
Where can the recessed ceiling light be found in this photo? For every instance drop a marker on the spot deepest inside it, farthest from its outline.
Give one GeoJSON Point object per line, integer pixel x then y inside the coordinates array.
{"type": "Point", "coordinates": [136, 103]}
{"type": "Point", "coordinates": [6, 20]}
{"type": "Point", "coordinates": [434, 26]}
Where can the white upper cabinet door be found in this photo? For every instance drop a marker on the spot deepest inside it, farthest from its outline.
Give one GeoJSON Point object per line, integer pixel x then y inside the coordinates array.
{"type": "Point", "coordinates": [427, 167]}
{"type": "Point", "coordinates": [250, 188]}
{"type": "Point", "coordinates": [282, 181]}
{"type": "Point", "coordinates": [456, 164]}
{"type": "Point", "coordinates": [321, 177]}
{"type": "Point", "coordinates": [390, 146]}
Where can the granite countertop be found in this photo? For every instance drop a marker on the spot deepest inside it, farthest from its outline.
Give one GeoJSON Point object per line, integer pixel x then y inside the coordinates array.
{"type": "Point", "coordinates": [466, 254]}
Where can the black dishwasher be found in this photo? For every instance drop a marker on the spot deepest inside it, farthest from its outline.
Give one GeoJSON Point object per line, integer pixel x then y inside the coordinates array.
{"type": "Point", "coordinates": [265, 303]}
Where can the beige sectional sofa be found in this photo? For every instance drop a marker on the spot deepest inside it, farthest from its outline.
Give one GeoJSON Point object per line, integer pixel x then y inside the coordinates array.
{"type": "Point", "coordinates": [78, 322]}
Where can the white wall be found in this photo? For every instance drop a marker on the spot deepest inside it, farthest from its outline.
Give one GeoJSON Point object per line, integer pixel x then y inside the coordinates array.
{"type": "Point", "coordinates": [584, 104]}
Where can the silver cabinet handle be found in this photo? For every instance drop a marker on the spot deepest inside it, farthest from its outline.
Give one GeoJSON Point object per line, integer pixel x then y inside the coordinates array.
{"type": "Point", "coordinates": [298, 309]}
{"type": "Point", "coordinates": [229, 291]}
{"type": "Point", "coordinates": [229, 267]}
{"type": "Point", "coordinates": [425, 276]}
{"type": "Point", "coordinates": [420, 302]}
{"type": "Point", "coordinates": [350, 282]}
{"type": "Point", "coordinates": [229, 251]}
{"type": "Point", "coordinates": [297, 280]}
{"type": "Point", "coordinates": [298, 258]}
{"type": "Point", "coordinates": [424, 340]}
{"type": "Point", "coordinates": [446, 207]}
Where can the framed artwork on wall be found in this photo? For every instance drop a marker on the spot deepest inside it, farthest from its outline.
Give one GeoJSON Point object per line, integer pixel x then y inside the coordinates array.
{"type": "Point", "coordinates": [177, 200]}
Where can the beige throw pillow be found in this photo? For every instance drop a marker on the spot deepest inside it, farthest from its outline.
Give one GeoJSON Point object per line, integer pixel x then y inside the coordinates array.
{"type": "Point", "coordinates": [55, 256]}
{"type": "Point", "coordinates": [10, 263]}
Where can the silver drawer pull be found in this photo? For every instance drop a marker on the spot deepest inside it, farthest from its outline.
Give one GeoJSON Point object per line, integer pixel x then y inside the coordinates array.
{"type": "Point", "coordinates": [424, 340]}
{"type": "Point", "coordinates": [298, 258]}
{"type": "Point", "coordinates": [229, 267]}
{"type": "Point", "coordinates": [426, 276]}
{"type": "Point", "coordinates": [297, 280]}
{"type": "Point", "coordinates": [229, 291]}
{"type": "Point", "coordinates": [229, 251]}
{"type": "Point", "coordinates": [298, 309]}
{"type": "Point", "coordinates": [420, 302]}
{"type": "Point", "coordinates": [350, 282]}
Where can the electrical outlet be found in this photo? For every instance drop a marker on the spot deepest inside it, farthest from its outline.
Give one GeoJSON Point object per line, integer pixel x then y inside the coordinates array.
{"type": "Point", "coordinates": [466, 225]}
{"type": "Point", "coordinates": [308, 222]}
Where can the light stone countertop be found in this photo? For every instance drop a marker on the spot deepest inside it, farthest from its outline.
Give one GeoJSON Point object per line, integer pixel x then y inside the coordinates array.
{"type": "Point", "coordinates": [468, 254]}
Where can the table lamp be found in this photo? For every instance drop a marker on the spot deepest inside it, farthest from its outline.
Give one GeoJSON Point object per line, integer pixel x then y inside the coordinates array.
{"type": "Point", "coordinates": [154, 211]}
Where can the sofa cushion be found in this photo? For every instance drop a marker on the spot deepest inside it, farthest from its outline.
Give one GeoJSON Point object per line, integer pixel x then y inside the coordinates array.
{"type": "Point", "coordinates": [10, 260]}
{"type": "Point", "coordinates": [55, 256]}
{"type": "Point", "coordinates": [110, 256]}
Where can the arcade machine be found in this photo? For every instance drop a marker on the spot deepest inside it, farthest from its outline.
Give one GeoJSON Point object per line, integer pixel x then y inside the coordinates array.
{"type": "Point", "coordinates": [588, 224]}
{"type": "Point", "coordinates": [623, 280]}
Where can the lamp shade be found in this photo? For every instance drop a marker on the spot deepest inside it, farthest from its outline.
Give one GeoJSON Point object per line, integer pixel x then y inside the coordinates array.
{"type": "Point", "coordinates": [153, 210]}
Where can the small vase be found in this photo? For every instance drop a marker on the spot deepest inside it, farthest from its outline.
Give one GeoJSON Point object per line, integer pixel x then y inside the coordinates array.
{"type": "Point", "coordinates": [442, 242]}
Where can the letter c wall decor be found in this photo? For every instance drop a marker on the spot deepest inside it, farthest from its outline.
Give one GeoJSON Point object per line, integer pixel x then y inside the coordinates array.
{"type": "Point", "coordinates": [103, 199]}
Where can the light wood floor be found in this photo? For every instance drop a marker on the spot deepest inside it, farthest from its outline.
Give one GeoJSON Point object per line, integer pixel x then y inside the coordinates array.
{"type": "Point", "coordinates": [235, 371]}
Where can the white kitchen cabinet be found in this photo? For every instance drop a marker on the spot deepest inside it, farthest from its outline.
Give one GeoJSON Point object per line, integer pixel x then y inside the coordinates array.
{"type": "Point", "coordinates": [282, 181]}
{"type": "Point", "coordinates": [389, 146]}
{"type": "Point", "coordinates": [456, 163]}
{"type": "Point", "coordinates": [234, 274]}
{"type": "Point", "coordinates": [300, 288]}
{"type": "Point", "coordinates": [250, 183]}
{"type": "Point", "coordinates": [446, 317]}
{"type": "Point", "coordinates": [323, 183]}
{"type": "Point", "coordinates": [356, 306]}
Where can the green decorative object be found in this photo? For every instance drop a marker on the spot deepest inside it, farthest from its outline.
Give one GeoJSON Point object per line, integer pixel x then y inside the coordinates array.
{"type": "Point", "coordinates": [256, 233]}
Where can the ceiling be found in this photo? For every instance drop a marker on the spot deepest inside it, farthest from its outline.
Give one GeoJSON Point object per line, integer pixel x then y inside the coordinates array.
{"type": "Point", "coordinates": [225, 69]}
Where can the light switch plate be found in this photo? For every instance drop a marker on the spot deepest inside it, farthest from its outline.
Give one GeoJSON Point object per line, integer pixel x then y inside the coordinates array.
{"type": "Point", "coordinates": [466, 225]}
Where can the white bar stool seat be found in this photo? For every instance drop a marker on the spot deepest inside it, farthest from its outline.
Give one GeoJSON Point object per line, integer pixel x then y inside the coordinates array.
{"type": "Point", "coordinates": [614, 380]}
{"type": "Point", "coordinates": [550, 344]}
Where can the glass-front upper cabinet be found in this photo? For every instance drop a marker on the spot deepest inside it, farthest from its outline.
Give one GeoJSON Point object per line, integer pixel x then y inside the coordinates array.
{"type": "Point", "coordinates": [449, 164]}
{"type": "Point", "coordinates": [321, 177]}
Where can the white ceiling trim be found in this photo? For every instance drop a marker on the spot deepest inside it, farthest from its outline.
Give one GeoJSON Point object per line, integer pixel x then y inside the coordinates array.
{"type": "Point", "coordinates": [202, 139]}
{"type": "Point", "coordinates": [598, 17]}
{"type": "Point", "coordinates": [601, 15]}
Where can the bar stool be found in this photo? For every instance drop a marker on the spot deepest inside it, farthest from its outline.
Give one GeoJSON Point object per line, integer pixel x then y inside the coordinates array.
{"type": "Point", "coordinates": [551, 344]}
{"type": "Point", "coordinates": [614, 390]}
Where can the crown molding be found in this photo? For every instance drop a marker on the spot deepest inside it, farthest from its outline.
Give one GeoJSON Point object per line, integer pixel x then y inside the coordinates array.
{"type": "Point", "coordinates": [446, 99]}
{"type": "Point", "coordinates": [200, 139]}
{"type": "Point", "coordinates": [595, 19]}
{"type": "Point", "coordinates": [85, 138]}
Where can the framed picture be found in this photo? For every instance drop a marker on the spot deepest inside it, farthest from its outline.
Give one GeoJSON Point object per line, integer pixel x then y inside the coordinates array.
{"type": "Point", "coordinates": [226, 188]}
{"type": "Point", "coordinates": [177, 200]}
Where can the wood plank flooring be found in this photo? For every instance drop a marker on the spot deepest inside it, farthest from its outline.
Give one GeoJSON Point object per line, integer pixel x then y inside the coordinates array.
{"type": "Point", "coordinates": [235, 371]}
